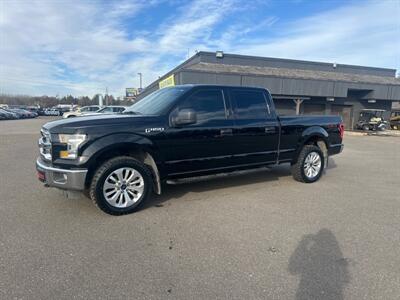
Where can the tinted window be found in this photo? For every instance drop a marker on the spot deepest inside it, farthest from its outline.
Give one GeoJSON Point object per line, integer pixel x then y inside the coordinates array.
{"type": "Point", "coordinates": [249, 104]}
{"type": "Point", "coordinates": [157, 102]}
{"type": "Point", "coordinates": [208, 104]}
{"type": "Point", "coordinates": [93, 108]}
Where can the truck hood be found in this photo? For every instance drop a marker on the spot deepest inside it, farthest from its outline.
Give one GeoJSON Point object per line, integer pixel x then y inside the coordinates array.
{"type": "Point", "coordinates": [101, 123]}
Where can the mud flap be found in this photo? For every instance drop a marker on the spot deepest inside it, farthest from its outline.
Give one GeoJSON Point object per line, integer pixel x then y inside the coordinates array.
{"type": "Point", "coordinates": [324, 149]}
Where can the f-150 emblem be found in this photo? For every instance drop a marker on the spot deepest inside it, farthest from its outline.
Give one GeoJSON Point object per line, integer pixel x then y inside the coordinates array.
{"type": "Point", "coordinates": [158, 129]}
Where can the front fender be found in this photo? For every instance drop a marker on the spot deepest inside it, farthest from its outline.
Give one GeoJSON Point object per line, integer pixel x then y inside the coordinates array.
{"type": "Point", "coordinates": [108, 143]}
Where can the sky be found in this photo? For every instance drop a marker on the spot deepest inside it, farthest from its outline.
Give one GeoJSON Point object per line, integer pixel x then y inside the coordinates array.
{"type": "Point", "coordinates": [59, 47]}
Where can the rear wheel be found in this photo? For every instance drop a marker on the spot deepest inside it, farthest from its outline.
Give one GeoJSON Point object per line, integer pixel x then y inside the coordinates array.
{"type": "Point", "coordinates": [120, 185]}
{"type": "Point", "coordinates": [382, 127]}
{"type": "Point", "coordinates": [309, 165]}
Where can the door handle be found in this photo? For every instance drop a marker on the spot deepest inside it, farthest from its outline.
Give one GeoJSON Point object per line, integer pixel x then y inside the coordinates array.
{"type": "Point", "coordinates": [270, 130]}
{"type": "Point", "coordinates": [227, 131]}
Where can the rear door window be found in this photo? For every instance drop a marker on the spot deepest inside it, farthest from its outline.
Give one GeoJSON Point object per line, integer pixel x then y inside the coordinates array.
{"type": "Point", "coordinates": [249, 104]}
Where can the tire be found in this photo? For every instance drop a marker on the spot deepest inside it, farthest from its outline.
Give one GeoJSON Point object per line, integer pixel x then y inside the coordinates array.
{"type": "Point", "coordinates": [108, 173]}
{"type": "Point", "coordinates": [299, 169]}
{"type": "Point", "coordinates": [382, 127]}
{"type": "Point", "coordinates": [365, 127]}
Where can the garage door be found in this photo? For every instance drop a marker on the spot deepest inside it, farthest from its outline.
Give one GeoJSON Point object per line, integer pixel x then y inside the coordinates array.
{"type": "Point", "coordinates": [345, 112]}
{"type": "Point", "coordinates": [313, 109]}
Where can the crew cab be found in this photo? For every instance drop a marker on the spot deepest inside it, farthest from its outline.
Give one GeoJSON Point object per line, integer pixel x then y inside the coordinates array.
{"type": "Point", "coordinates": [178, 132]}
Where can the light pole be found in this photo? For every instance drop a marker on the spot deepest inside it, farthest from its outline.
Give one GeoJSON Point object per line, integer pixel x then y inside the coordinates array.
{"type": "Point", "coordinates": [140, 77]}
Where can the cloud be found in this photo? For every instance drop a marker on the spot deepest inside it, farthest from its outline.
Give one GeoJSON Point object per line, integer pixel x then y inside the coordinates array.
{"type": "Point", "coordinates": [82, 47]}
{"type": "Point", "coordinates": [65, 46]}
{"type": "Point", "coordinates": [364, 34]}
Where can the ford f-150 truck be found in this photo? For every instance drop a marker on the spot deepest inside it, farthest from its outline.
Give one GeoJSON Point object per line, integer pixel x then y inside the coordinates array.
{"type": "Point", "coordinates": [177, 132]}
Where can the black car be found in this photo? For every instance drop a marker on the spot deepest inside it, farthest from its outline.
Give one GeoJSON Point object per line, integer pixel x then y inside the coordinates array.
{"type": "Point", "coordinates": [180, 132]}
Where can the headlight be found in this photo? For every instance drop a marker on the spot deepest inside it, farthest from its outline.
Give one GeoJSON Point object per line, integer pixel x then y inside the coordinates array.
{"type": "Point", "coordinates": [73, 141]}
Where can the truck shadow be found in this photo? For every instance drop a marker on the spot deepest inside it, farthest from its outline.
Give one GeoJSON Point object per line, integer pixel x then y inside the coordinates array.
{"type": "Point", "coordinates": [320, 264]}
{"type": "Point", "coordinates": [215, 182]}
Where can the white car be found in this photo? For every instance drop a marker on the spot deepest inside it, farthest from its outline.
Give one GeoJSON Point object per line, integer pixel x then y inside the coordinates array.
{"type": "Point", "coordinates": [112, 109]}
{"type": "Point", "coordinates": [81, 111]}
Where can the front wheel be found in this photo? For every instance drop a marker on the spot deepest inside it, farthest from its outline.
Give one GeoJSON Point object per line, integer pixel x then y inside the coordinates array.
{"type": "Point", "coordinates": [120, 185]}
{"type": "Point", "coordinates": [309, 165]}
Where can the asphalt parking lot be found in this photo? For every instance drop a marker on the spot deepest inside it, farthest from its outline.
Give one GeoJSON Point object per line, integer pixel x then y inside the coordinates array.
{"type": "Point", "coordinates": [259, 235]}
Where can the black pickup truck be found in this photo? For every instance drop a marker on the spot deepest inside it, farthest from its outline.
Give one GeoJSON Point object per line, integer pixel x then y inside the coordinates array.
{"type": "Point", "coordinates": [178, 132]}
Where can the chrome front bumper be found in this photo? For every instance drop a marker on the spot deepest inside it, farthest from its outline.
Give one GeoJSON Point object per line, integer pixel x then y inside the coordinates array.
{"type": "Point", "coordinates": [61, 178]}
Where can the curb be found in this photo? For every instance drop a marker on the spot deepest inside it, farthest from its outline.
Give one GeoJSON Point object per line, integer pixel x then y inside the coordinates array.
{"type": "Point", "coordinates": [355, 133]}
{"type": "Point", "coordinates": [380, 133]}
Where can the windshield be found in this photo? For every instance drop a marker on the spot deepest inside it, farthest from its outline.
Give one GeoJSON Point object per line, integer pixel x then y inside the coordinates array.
{"type": "Point", "coordinates": [105, 109]}
{"type": "Point", "coordinates": [366, 116]}
{"type": "Point", "coordinates": [157, 102]}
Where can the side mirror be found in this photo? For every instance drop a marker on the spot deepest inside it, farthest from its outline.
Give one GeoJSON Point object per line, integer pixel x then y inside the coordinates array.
{"type": "Point", "coordinates": [185, 117]}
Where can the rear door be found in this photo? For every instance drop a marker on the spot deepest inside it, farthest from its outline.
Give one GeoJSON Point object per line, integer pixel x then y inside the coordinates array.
{"type": "Point", "coordinates": [205, 145]}
{"type": "Point", "coordinates": [256, 130]}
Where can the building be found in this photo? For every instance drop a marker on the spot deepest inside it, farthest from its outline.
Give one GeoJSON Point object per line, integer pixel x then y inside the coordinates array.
{"type": "Point", "coordinates": [298, 87]}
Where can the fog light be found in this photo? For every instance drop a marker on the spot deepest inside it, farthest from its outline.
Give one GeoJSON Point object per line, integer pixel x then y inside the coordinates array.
{"type": "Point", "coordinates": [60, 177]}
{"type": "Point", "coordinates": [64, 154]}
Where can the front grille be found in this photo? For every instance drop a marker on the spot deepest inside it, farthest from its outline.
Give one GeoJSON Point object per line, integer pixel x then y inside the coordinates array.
{"type": "Point", "coordinates": [45, 145]}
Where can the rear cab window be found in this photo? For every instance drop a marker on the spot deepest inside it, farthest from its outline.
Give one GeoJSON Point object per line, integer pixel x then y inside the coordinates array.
{"type": "Point", "coordinates": [250, 104]}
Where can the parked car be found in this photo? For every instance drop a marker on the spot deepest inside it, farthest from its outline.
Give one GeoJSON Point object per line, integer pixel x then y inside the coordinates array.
{"type": "Point", "coordinates": [14, 111]}
{"type": "Point", "coordinates": [35, 109]}
{"type": "Point", "coordinates": [8, 115]}
{"type": "Point", "coordinates": [22, 113]}
{"type": "Point", "coordinates": [81, 111]}
{"type": "Point", "coordinates": [112, 109]}
{"type": "Point", "coordinates": [3, 115]}
{"type": "Point", "coordinates": [179, 132]}
{"type": "Point", "coordinates": [372, 119]}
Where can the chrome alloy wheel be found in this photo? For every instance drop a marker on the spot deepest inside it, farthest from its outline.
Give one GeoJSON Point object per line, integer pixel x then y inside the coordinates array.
{"type": "Point", "coordinates": [312, 165]}
{"type": "Point", "coordinates": [123, 187]}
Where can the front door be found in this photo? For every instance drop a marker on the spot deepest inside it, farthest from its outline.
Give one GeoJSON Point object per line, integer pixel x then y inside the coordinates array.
{"type": "Point", "coordinates": [205, 145]}
{"type": "Point", "coordinates": [256, 131]}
